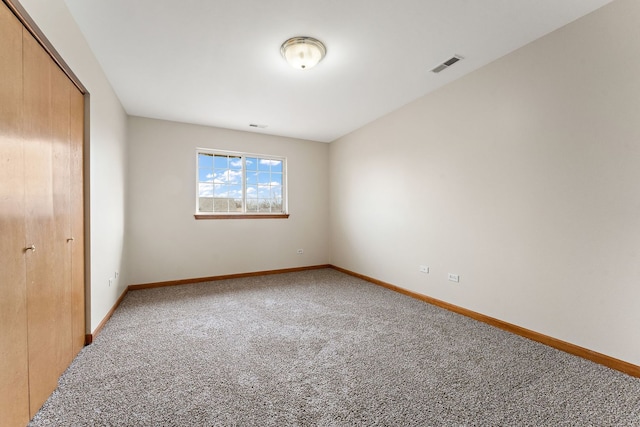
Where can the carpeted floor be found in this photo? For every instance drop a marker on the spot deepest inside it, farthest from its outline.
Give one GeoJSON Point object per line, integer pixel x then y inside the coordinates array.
{"type": "Point", "coordinates": [323, 348]}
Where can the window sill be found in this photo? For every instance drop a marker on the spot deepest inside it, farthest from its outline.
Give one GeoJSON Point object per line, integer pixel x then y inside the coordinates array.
{"type": "Point", "coordinates": [241, 216]}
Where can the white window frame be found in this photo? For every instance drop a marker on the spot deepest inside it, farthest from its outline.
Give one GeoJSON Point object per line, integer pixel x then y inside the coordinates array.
{"type": "Point", "coordinates": [244, 214]}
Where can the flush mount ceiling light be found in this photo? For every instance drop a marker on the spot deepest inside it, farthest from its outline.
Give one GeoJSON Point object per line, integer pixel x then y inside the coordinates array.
{"type": "Point", "coordinates": [303, 52]}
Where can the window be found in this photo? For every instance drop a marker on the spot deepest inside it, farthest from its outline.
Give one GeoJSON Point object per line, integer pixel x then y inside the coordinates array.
{"type": "Point", "coordinates": [240, 185]}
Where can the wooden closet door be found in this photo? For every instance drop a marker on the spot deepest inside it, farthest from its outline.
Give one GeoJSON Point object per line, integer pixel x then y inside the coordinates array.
{"type": "Point", "coordinates": [61, 88]}
{"type": "Point", "coordinates": [14, 392]}
{"type": "Point", "coordinates": [48, 292]}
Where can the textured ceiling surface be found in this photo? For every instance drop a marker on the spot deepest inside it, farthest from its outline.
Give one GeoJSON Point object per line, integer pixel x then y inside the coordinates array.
{"type": "Point", "coordinates": [218, 63]}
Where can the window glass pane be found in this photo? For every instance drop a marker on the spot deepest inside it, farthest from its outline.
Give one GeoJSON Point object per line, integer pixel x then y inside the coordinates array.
{"type": "Point", "coordinates": [252, 178]}
{"type": "Point", "coordinates": [264, 164]}
{"type": "Point", "coordinates": [264, 205]}
{"type": "Point", "coordinates": [221, 205]}
{"type": "Point", "coordinates": [228, 176]}
{"type": "Point", "coordinates": [235, 191]}
{"type": "Point", "coordinates": [276, 192]}
{"type": "Point", "coordinates": [236, 205]}
{"type": "Point", "coordinates": [220, 175]}
{"type": "Point", "coordinates": [234, 177]}
{"type": "Point", "coordinates": [205, 160]}
{"type": "Point", "coordinates": [276, 178]}
{"type": "Point", "coordinates": [205, 190]}
{"type": "Point", "coordinates": [276, 205]}
{"type": "Point", "coordinates": [264, 192]}
{"type": "Point", "coordinates": [235, 163]}
{"type": "Point", "coordinates": [264, 178]}
{"type": "Point", "coordinates": [252, 163]}
{"type": "Point", "coordinates": [205, 204]}
{"type": "Point", "coordinates": [252, 205]}
{"type": "Point", "coordinates": [252, 191]}
{"type": "Point", "coordinates": [276, 165]}
{"type": "Point", "coordinates": [221, 161]}
{"type": "Point", "coordinates": [205, 175]}
{"type": "Point", "coordinates": [221, 190]}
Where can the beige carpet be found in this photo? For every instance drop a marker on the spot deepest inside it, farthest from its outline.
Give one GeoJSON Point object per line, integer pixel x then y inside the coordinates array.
{"type": "Point", "coordinates": [323, 348]}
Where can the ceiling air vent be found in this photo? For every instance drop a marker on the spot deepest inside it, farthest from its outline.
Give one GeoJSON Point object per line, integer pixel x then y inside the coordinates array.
{"type": "Point", "coordinates": [446, 64]}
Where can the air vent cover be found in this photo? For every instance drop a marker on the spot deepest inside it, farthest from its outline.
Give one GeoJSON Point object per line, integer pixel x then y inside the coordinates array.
{"type": "Point", "coordinates": [446, 64]}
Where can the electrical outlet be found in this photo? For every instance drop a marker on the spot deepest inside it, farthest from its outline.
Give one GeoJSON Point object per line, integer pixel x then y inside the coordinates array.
{"type": "Point", "coordinates": [454, 277]}
{"type": "Point", "coordinates": [117, 274]}
{"type": "Point", "coordinates": [300, 251]}
{"type": "Point", "coordinates": [424, 269]}
{"type": "Point", "coordinates": [110, 281]}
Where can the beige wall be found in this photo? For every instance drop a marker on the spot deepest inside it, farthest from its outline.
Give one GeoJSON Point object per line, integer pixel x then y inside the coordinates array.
{"type": "Point", "coordinates": [165, 242]}
{"type": "Point", "coordinates": [523, 178]}
{"type": "Point", "coordinates": [106, 155]}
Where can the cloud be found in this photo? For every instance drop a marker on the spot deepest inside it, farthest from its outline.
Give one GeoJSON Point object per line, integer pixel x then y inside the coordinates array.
{"type": "Point", "coordinates": [235, 194]}
{"type": "Point", "coordinates": [269, 184]}
{"type": "Point", "coordinates": [270, 162]}
{"type": "Point", "coordinates": [228, 177]}
{"type": "Point", "coordinates": [205, 190]}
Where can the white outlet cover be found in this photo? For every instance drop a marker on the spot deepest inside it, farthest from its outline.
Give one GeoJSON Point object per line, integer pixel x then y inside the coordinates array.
{"type": "Point", "coordinates": [423, 269]}
{"type": "Point", "coordinates": [454, 277]}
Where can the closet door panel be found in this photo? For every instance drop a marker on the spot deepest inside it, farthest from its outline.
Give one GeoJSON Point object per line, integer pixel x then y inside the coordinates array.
{"type": "Point", "coordinates": [46, 335]}
{"type": "Point", "coordinates": [77, 220]}
{"type": "Point", "coordinates": [61, 104]}
{"type": "Point", "coordinates": [14, 391]}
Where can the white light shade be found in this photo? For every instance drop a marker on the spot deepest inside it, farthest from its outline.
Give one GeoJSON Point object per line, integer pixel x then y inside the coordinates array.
{"type": "Point", "coordinates": [303, 52]}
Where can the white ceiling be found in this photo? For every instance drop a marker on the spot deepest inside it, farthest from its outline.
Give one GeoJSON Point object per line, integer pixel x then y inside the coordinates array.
{"type": "Point", "coordinates": [218, 63]}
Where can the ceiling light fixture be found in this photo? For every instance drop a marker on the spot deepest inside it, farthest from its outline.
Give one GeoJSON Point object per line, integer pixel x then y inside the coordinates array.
{"type": "Point", "coordinates": [303, 52]}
